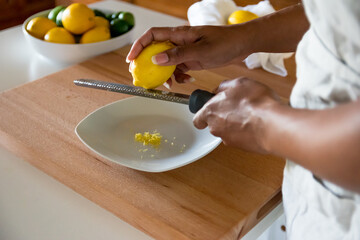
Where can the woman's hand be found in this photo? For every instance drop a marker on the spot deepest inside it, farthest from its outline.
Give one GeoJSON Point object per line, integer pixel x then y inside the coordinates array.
{"type": "Point", "coordinates": [196, 48]}
{"type": "Point", "coordinates": [205, 47]}
{"type": "Point", "coordinates": [238, 114]}
{"type": "Point", "coordinates": [248, 115]}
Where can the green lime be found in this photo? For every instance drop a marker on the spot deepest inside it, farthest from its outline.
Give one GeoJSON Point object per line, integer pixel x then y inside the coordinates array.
{"type": "Point", "coordinates": [115, 15]}
{"type": "Point", "coordinates": [108, 17]}
{"type": "Point", "coordinates": [53, 13]}
{"type": "Point", "coordinates": [118, 27]}
{"type": "Point", "coordinates": [59, 18]}
{"type": "Point", "coordinates": [128, 17]}
{"type": "Point", "coordinates": [99, 13]}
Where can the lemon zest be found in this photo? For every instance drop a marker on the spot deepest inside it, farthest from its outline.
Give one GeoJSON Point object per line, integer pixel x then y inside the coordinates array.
{"type": "Point", "coordinates": [147, 138]}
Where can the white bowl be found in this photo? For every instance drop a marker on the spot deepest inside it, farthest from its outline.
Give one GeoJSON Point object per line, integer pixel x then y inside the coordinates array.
{"type": "Point", "coordinates": [73, 53]}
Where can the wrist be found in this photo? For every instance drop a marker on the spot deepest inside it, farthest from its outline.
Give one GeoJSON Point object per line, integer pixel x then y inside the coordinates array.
{"type": "Point", "coordinates": [275, 119]}
{"type": "Point", "coordinates": [245, 41]}
{"type": "Point", "coordinates": [277, 32]}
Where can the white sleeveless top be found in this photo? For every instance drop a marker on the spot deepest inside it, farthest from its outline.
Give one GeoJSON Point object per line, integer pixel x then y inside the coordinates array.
{"type": "Point", "coordinates": [328, 73]}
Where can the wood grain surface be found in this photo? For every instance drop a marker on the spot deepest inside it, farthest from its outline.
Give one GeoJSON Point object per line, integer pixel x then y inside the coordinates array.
{"type": "Point", "coordinates": [221, 196]}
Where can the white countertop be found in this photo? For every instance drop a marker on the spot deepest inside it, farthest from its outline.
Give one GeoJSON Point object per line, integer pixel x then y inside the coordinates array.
{"type": "Point", "coordinates": [33, 205]}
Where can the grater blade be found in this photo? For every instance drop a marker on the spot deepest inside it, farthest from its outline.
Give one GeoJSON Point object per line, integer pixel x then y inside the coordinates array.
{"type": "Point", "coordinates": [136, 91]}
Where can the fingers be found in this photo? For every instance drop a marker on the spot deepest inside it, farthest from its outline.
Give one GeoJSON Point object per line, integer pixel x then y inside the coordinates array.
{"type": "Point", "coordinates": [223, 85]}
{"type": "Point", "coordinates": [138, 46]}
{"type": "Point", "coordinates": [168, 83]}
{"type": "Point", "coordinates": [177, 35]}
{"type": "Point", "coordinates": [161, 58]}
{"type": "Point", "coordinates": [153, 34]}
{"type": "Point", "coordinates": [179, 55]}
{"type": "Point", "coordinates": [204, 116]}
{"type": "Point", "coordinates": [200, 118]}
{"type": "Point", "coordinates": [181, 76]}
{"type": "Point", "coordinates": [230, 84]}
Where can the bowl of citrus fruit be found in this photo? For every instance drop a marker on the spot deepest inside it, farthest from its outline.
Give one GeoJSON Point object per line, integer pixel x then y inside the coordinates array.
{"type": "Point", "coordinates": [77, 32]}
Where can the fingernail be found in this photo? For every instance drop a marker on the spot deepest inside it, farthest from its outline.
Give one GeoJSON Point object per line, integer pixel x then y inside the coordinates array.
{"type": "Point", "coordinates": [130, 67]}
{"type": "Point", "coordinates": [189, 80]}
{"type": "Point", "coordinates": [167, 85]}
{"type": "Point", "coordinates": [160, 58]}
{"type": "Point", "coordinates": [127, 58]}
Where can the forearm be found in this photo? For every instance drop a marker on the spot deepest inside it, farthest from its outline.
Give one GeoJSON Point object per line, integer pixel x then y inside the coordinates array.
{"type": "Point", "coordinates": [327, 142]}
{"type": "Point", "coordinates": [277, 32]}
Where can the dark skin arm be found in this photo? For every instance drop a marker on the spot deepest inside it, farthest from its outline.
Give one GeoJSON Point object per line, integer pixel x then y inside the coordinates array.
{"type": "Point", "coordinates": [206, 47]}
{"type": "Point", "coordinates": [248, 115]}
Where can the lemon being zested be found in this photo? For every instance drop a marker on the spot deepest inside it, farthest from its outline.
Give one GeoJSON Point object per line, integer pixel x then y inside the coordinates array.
{"type": "Point", "coordinates": [145, 73]}
{"type": "Point", "coordinates": [59, 35]}
{"type": "Point", "coordinates": [241, 16]}
{"type": "Point", "coordinates": [78, 18]}
{"type": "Point", "coordinates": [39, 26]}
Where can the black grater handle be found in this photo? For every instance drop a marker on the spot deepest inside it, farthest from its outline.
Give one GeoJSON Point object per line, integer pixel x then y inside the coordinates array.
{"type": "Point", "coordinates": [198, 98]}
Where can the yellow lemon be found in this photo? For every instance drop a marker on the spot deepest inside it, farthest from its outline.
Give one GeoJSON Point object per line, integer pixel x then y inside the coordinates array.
{"type": "Point", "coordinates": [241, 16]}
{"type": "Point", "coordinates": [101, 22]}
{"type": "Point", "coordinates": [145, 73]}
{"type": "Point", "coordinates": [96, 34]}
{"type": "Point", "coordinates": [78, 18]}
{"type": "Point", "coordinates": [39, 26]}
{"type": "Point", "coordinates": [59, 35]}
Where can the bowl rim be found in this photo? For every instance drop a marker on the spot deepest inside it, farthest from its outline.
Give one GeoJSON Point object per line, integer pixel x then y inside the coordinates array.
{"type": "Point", "coordinates": [45, 13]}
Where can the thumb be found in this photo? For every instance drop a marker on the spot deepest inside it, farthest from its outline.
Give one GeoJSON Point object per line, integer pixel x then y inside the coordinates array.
{"type": "Point", "coordinates": [174, 56]}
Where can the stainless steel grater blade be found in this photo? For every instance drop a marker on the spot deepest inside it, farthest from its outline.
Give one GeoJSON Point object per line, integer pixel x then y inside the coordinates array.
{"type": "Point", "coordinates": [136, 91]}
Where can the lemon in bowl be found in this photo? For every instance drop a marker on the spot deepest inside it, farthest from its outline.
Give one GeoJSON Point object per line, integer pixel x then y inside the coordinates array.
{"type": "Point", "coordinates": [145, 73]}
{"type": "Point", "coordinates": [39, 26]}
{"type": "Point", "coordinates": [78, 18]}
{"type": "Point", "coordinates": [52, 38]}
{"type": "Point", "coordinates": [59, 35]}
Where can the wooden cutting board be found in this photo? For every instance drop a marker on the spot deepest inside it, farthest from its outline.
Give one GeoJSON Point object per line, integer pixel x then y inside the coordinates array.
{"type": "Point", "coordinates": [221, 196]}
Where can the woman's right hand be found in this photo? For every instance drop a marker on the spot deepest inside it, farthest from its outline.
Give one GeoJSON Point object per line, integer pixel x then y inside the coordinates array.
{"type": "Point", "coordinates": [197, 48]}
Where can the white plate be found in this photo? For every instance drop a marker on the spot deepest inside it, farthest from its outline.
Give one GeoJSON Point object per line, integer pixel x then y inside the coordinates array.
{"type": "Point", "coordinates": [109, 131]}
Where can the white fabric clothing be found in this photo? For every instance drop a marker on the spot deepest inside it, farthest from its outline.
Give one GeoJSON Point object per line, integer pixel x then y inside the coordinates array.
{"type": "Point", "coordinates": [216, 12]}
{"type": "Point", "coordinates": [328, 74]}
